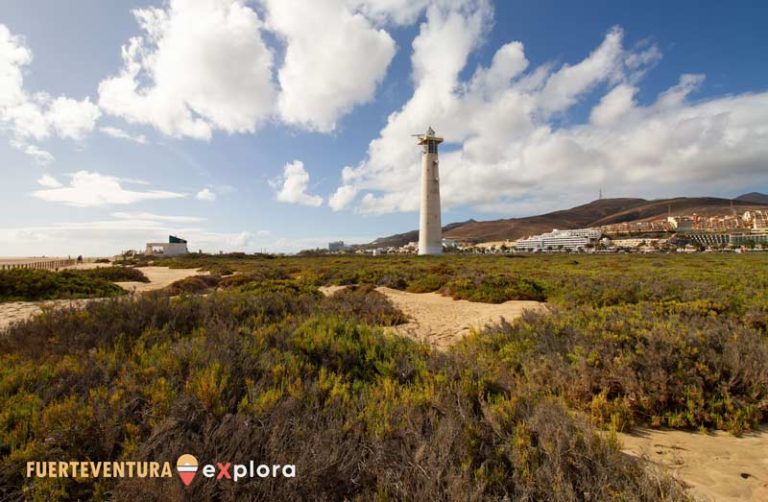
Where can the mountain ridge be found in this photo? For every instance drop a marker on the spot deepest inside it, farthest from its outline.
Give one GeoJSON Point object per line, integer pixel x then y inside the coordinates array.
{"type": "Point", "coordinates": [592, 214]}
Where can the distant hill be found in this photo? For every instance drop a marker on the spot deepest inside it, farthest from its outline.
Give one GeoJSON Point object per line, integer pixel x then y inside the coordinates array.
{"type": "Point", "coordinates": [754, 197]}
{"type": "Point", "coordinates": [594, 214]}
{"type": "Point", "coordinates": [412, 236]}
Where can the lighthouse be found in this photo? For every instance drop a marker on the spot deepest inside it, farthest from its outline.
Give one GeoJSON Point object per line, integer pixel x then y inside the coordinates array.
{"type": "Point", "coordinates": [430, 226]}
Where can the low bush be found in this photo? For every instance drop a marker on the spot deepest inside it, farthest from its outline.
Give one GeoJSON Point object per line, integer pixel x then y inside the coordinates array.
{"type": "Point", "coordinates": [114, 274]}
{"type": "Point", "coordinates": [366, 304]}
{"type": "Point", "coordinates": [194, 284]}
{"type": "Point", "coordinates": [31, 285]}
{"type": "Point", "coordinates": [693, 369]}
{"type": "Point", "coordinates": [494, 289]}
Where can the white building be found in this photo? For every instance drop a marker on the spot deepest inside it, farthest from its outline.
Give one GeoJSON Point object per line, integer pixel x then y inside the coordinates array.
{"type": "Point", "coordinates": [174, 247]}
{"type": "Point", "coordinates": [560, 239]}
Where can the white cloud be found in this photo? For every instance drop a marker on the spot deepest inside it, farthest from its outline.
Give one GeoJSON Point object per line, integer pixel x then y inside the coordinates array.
{"type": "Point", "coordinates": [199, 66]}
{"type": "Point", "coordinates": [293, 186]}
{"type": "Point", "coordinates": [342, 197]}
{"type": "Point", "coordinates": [400, 12]}
{"type": "Point", "coordinates": [510, 149]}
{"type": "Point", "coordinates": [118, 133]}
{"type": "Point", "coordinates": [206, 194]}
{"type": "Point", "coordinates": [156, 217]}
{"type": "Point", "coordinates": [49, 181]}
{"type": "Point", "coordinates": [327, 71]}
{"type": "Point", "coordinates": [92, 189]}
{"type": "Point", "coordinates": [72, 119]}
{"type": "Point", "coordinates": [617, 103]}
{"type": "Point", "coordinates": [42, 157]}
{"type": "Point", "coordinates": [36, 116]}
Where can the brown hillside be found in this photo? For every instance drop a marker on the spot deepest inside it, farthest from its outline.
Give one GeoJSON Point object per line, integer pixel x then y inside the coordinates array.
{"type": "Point", "coordinates": [593, 214]}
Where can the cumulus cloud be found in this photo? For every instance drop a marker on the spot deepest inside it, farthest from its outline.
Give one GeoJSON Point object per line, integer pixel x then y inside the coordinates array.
{"type": "Point", "coordinates": [49, 181]}
{"type": "Point", "coordinates": [36, 116]}
{"type": "Point", "coordinates": [197, 67]}
{"type": "Point", "coordinates": [293, 184]}
{"type": "Point", "coordinates": [200, 66]}
{"type": "Point", "coordinates": [116, 132]}
{"type": "Point", "coordinates": [92, 189]}
{"type": "Point", "coordinates": [512, 143]}
{"type": "Point", "coordinates": [334, 60]}
{"type": "Point", "coordinates": [206, 194]}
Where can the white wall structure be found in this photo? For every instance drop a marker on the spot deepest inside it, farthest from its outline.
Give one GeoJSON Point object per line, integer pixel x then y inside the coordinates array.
{"type": "Point", "coordinates": [174, 247]}
{"type": "Point", "coordinates": [430, 225]}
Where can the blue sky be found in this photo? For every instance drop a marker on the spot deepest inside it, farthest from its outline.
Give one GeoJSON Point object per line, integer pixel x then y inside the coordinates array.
{"type": "Point", "coordinates": [282, 125]}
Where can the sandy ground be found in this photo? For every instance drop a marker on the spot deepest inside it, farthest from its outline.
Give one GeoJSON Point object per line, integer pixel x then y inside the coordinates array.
{"type": "Point", "coordinates": [159, 278]}
{"type": "Point", "coordinates": [442, 321]}
{"type": "Point", "coordinates": [716, 466]}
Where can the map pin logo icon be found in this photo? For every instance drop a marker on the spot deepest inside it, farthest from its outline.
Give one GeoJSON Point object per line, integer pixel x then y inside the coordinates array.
{"type": "Point", "coordinates": [186, 466]}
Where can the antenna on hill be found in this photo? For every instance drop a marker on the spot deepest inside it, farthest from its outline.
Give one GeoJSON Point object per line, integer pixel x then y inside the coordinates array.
{"type": "Point", "coordinates": [600, 195]}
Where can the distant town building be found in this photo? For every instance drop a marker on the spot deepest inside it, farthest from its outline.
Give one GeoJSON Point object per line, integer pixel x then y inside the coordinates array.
{"type": "Point", "coordinates": [681, 223]}
{"type": "Point", "coordinates": [450, 244]}
{"type": "Point", "coordinates": [174, 247]}
{"type": "Point", "coordinates": [635, 242]}
{"type": "Point", "coordinates": [572, 240]}
{"type": "Point", "coordinates": [336, 246]}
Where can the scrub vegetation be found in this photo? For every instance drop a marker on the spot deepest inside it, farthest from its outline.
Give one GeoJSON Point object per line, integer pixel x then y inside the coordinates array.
{"type": "Point", "coordinates": [262, 366]}
{"type": "Point", "coordinates": [32, 285]}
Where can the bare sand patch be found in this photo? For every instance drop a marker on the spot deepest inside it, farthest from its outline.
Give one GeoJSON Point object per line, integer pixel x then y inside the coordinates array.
{"type": "Point", "coordinates": [442, 321]}
{"type": "Point", "coordinates": [159, 277]}
{"type": "Point", "coordinates": [715, 466]}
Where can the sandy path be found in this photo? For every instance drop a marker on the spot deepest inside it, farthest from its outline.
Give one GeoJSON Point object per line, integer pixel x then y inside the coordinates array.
{"type": "Point", "coordinates": [715, 466]}
{"type": "Point", "coordinates": [159, 278]}
{"type": "Point", "coordinates": [442, 321]}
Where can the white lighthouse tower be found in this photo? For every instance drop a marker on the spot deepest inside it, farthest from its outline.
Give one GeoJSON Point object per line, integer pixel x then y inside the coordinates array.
{"type": "Point", "coordinates": [430, 227]}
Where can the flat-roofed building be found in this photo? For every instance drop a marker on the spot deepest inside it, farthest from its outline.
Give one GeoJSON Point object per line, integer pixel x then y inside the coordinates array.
{"type": "Point", "coordinates": [174, 247]}
{"type": "Point", "coordinates": [572, 240]}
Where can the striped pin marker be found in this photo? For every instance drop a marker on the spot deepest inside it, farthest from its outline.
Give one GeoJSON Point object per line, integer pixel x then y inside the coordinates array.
{"type": "Point", "coordinates": [186, 466]}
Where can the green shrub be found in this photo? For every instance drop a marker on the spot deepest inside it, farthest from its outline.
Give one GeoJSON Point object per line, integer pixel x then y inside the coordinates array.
{"type": "Point", "coordinates": [494, 289]}
{"type": "Point", "coordinates": [30, 285]}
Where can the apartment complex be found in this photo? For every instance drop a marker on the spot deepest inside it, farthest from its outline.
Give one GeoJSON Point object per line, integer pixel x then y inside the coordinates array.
{"type": "Point", "coordinates": [573, 240]}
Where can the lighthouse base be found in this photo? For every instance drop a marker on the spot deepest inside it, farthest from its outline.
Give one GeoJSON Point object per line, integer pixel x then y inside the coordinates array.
{"type": "Point", "coordinates": [433, 250]}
